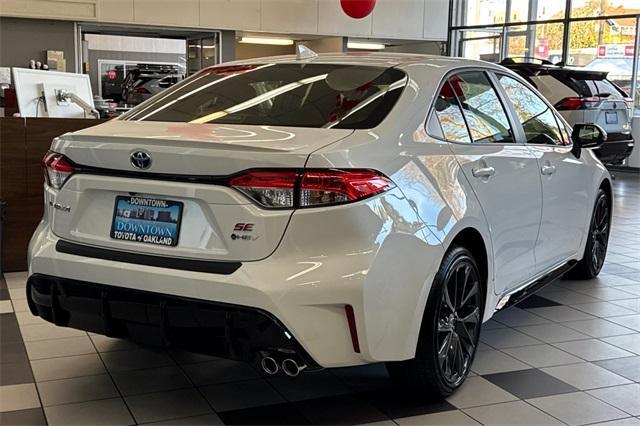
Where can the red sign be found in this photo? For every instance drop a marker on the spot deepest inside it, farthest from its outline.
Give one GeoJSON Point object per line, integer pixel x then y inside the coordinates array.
{"type": "Point", "coordinates": [615, 50]}
{"type": "Point", "coordinates": [542, 49]}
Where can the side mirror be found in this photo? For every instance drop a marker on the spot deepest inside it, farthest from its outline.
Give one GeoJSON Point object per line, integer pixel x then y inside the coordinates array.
{"type": "Point", "coordinates": [587, 136]}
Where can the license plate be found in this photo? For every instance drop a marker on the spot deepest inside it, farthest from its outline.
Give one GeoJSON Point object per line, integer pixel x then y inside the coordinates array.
{"type": "Point", "coordinates": [146, 220]}
{"type": "Point", "coordinates": [611, 117]}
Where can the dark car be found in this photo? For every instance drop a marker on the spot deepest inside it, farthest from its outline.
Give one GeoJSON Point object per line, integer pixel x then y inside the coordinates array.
{"type": "Point", "coordinates": [584, 96]}
{"type": "Point", "coordinates": [146, 80]}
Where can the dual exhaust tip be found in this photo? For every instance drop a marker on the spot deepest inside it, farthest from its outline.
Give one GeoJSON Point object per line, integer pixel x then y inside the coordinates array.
{"type": "Point", "coordinates": [289, 366]}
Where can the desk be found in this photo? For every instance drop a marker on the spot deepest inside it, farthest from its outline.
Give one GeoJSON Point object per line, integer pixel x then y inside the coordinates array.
{"type": "Point", "coordinates": [23, 143]}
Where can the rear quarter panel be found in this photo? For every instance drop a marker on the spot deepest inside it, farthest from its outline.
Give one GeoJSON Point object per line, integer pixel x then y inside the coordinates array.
{"type": "Point", "coordinates": [434, 189]}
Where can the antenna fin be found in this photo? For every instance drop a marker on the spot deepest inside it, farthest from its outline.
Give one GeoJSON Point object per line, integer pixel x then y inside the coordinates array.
{"type": "Point", "coordinates": [303, 52]}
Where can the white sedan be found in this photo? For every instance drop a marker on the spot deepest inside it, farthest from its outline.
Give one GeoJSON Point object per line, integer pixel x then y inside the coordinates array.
{"type": "Point", "coordinates": [320, 211]}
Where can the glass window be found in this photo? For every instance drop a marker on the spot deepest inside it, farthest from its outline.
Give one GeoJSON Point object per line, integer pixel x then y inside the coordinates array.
{"type": "Point", "coordinates": [450, 116]}
{"type": "Point", "coordinates": [484, 45]}
{"type": "Point", "coordinates": [593, 8]}
{"type": "Point", "coordinates": [483, 12]}
{"type": "Point", "coordinates": [605, 45]}
{"type": "Point", "coordinates": [482, 108]}
{"type": "Point", "coordinates": [298, 95]}
{"type": "Point", "coordinates": [536, 10]}
{"type": "Point", "coordinates": [537, 118]}
{"type": "Point", "coordinates": [541, 41]}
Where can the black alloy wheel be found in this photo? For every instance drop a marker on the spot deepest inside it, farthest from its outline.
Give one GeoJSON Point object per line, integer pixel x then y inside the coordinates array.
{"type": "Point", "coordinates": [595, 250]}
{"type": "Point", "coordinates": [450, 328]}
{"type": "Point", "coordinates": [600, 233]}
{"type": "Point", "coordinates": [458, 321]}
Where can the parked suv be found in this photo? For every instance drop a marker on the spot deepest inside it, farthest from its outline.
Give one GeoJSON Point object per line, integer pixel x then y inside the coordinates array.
{"type": "Point", "coordinates": [584, 96]}
{"type": "Point", "coordinates": [327, 211]}
{"type": "Point", "coordinates": [147, 80]}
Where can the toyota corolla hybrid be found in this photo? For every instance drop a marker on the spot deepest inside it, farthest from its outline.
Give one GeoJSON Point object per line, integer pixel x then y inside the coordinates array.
{"type": "Point", "coordinates": [320, 211]}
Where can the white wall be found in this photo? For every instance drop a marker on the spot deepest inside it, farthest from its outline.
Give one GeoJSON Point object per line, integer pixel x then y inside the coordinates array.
{"type": "Point", "coordinates": [402, 19]}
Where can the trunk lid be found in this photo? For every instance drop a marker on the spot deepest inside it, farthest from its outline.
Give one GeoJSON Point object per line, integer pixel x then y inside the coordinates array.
{"type": "Point", "coordinates": [216, 222]}
{"type": "Point", "coordinates": [613, 116]}
{"type": "Point", "coordinates": [194, 149]}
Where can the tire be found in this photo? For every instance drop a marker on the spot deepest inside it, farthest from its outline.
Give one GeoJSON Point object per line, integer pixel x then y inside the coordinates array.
{"type": "Point", "coordinates": [446, 331]}
{"type": "Point", "coordinates": [595, 250]}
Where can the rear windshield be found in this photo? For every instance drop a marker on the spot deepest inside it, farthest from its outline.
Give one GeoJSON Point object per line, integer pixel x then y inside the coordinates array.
{"type": "Point", "coordinates": [556, 86]}
{"type": "Point", "coordinates": [298, 95]}
{"type": "Point", "coordinates": [601, 88]}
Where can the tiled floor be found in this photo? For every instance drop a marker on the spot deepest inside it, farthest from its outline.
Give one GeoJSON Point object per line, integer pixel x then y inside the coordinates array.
{"type": "Point", "coordinates": [569, 355]}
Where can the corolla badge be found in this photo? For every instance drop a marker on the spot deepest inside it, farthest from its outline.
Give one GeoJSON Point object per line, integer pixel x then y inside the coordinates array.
{"type": "Point", "coordinates": [141, 160]}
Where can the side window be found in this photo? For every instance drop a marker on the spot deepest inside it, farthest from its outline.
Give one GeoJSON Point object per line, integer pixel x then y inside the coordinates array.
{"type": "Point", "coordinates": [448, 113]}
{"type": "Point", "coordinates": [482, 108]}
{"type": "Point", "coordinates": [537, 118]}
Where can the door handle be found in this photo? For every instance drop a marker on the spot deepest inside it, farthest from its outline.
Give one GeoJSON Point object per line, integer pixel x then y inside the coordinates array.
{"type": "Point", "coordinates": [548, 170]}
{"type": "Point", "coordinates": [483, 172]}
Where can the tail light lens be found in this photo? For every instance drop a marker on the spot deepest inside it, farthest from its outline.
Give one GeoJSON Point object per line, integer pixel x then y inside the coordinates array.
{"type": "Point", "coordinates": [310, 188]}
{"type": "Point", "coordinates": [141, 90]}
{"type": "Point", "coordinates": [273, 189]}
{"type": "Point", "coordinates": [57, 169]}
{"type": "Point", "coordinates": [571, 104]}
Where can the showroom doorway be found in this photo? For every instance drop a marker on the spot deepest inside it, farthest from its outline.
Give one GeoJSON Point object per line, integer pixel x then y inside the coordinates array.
{"type": "Point", "coordinates": [128, 65]}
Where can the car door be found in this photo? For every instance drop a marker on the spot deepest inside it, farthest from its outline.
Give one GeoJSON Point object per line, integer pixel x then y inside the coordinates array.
{"type": "Point", "coordinates": [564, 194]}
{"type": "Point", "coordinates": [502, 172]}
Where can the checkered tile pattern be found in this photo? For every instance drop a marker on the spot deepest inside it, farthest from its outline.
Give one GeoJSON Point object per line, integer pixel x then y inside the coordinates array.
{"type": "Point", "coordinates": [569, 355]}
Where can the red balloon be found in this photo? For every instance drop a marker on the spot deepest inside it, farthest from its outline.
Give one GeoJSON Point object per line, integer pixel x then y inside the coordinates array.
{"type": "Point", "coordinates": [357, 9]}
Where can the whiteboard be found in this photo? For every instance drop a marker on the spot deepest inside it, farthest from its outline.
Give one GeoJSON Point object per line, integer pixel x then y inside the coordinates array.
{"type": "Point", "coordinates": [35, 91]}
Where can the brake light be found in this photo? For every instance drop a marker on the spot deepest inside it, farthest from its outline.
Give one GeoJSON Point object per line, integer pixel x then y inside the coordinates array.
{"type": "Point", "coordinates": [321, 187]}
{"type": "Point", "coordinates": [269, 188]}
{"type": "Point", "coordinates": [57, 169]}
{"type": "Point", "coordinates": [570, 104]}
{"type": "Point", "coordinates": [141, 90]}
{"type": "Point", "coordinates": [287, 188]}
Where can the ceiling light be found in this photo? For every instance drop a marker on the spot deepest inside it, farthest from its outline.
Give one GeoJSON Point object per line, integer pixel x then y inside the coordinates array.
{"type": "Point", "coordinates": [364, 45]}
{"type": "Point", "coordinates": [267, 40]}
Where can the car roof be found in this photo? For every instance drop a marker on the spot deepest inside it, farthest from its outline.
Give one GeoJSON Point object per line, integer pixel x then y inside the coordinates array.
{"type": "Point", "coordinates": [383, 59]}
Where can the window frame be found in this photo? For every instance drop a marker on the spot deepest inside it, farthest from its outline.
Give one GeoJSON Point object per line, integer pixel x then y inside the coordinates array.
{"type": "Point", "coordinates": [560, 122]}
{"type": "Point", "coordinates": [518, 132]}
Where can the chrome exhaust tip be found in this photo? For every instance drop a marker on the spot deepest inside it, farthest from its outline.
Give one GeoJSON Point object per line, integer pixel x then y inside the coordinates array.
{"type": "Point", "coordinates": [291, 368]}
{"type": "Point", "coordinates": [269, 365]}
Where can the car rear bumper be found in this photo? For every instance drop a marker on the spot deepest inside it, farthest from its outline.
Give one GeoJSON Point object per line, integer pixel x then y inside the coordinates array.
{"type": "Point", "coordinates": [616, 148]}
{"type": "Point", "coordinates": [219, 329]}
{"type": "Point", "coordinates": [363, 255]}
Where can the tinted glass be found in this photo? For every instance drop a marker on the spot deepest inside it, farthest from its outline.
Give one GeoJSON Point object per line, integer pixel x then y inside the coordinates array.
{"type": "Point", "coordinates": [537, 118]}
{"type": "Point", "coordinates": [299, 95]}
{"type": "Point", "coordinates": [450, 116]}
{"type": "Point", "coordinates": [604, 89]}
{"type": "Point", "coordinates": [482, 108]}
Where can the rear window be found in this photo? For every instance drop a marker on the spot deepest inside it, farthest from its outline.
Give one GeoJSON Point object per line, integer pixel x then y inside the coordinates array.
{"type": "Point", "coordinates": [298, 95]}
{"type": "Point", "coordinates": [602, 88]}
{"type": "Point", "coordinates": [556, 86]}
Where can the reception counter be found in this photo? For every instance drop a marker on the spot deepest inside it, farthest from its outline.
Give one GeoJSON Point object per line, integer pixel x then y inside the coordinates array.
{"type": "Point", "coordinates": [23, 143]}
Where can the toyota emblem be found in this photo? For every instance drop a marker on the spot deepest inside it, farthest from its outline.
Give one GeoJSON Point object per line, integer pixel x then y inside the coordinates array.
{"type": "Point", "coordinates": [141, 160]}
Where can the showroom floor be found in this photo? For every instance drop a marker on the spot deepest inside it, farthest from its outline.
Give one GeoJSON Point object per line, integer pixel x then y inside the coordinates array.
{"type": "Point", "coordinates": [569, 355]}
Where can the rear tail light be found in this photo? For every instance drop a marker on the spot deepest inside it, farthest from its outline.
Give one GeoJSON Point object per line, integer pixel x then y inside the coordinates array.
{"type": "Point", "coordinates": [273, 189]}
{"type": "Point", "coordinates": [57, 169]}
{"type": "Point", "coordinates": [141, 90]}
{"type": "Point", "coordinates": [569, 104]}
{"type": "Point", "coordinates": [286, 188]}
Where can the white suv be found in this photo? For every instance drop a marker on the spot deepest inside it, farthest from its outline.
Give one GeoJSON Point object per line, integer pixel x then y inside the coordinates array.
{"type": "Point", "coordinates": [584, 95]}
{"type": "Point", "coordinates": [323, 212]}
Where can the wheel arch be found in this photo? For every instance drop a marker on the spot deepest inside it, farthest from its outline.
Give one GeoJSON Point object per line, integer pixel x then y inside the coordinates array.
{"type": "Point", "coordinates": [471, 239]}
{"type": "Point", "coordinates": [606, 186]}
